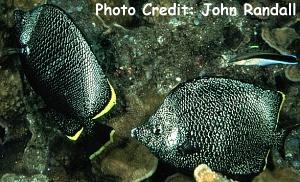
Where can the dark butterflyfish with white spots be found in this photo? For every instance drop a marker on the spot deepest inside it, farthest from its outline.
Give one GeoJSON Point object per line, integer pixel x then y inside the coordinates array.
{"type": "Point", "coordinates": [227, 124]}
{"type": "Point", "coordinates": [61, 67]}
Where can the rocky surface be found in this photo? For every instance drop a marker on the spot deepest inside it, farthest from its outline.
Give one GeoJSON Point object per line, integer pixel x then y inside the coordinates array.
{"type": "Point", "coordinates": [277, 175]}
{"type": "Point", "coordinates": [293, 73]}
{"type": "Point", "coordinates": [20, 178]}
{"type": "Point", "coordinates": [144, 58]}
{"type": "Point", "coordinates": [178, 177]}
{"type": "Point", "coordinates": [131, 162]}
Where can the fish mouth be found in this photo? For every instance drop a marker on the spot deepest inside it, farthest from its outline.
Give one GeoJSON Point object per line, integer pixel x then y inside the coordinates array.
{"type": "Point", "coordinates": [134, 132]}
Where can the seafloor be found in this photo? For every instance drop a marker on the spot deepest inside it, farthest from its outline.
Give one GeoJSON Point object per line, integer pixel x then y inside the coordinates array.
{"type": "Point", "coordinates": [144, 58]}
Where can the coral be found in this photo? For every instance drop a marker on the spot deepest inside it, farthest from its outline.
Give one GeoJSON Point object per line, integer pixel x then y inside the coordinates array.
{"type": "Point", "coordinates": [132, 162]}
{"type": "Point", "coordinates": [204, 174]}
{"type": "Point", "coordinates": [279, 38]}
{"type": "Point", "coordinates": [293, 73]}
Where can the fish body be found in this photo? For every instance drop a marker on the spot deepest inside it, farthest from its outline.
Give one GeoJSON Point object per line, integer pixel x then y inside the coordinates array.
{"type": "Point", "coordinates": [227, 124]}
{"type": "Point", "coordinates": [264, 59]}
{"type": "Point", "coordinates": [61, 67]}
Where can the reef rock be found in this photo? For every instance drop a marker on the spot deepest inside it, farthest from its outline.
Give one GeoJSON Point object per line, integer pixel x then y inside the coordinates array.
{"type": "Point", "coordinates": [293, 73]}
{"type": "Point", "coordinates": [279, 38]}
{"type": "Point", "coordinates": [178, 177]}
{"type": "Point", "coordinates": [15, 178]}
{"type": "Point", "coordinates": [278, 175]}
{"type": "Point", "coordinates": [292, 149]}
{"type": "Point", "coordinates": [131, 162]}
{"type": "Point", "coordinates": [36, 152]}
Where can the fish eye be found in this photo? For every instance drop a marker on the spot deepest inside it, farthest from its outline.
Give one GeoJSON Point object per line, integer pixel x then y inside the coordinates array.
{"type": "Point", "coordinates": [157, 130]}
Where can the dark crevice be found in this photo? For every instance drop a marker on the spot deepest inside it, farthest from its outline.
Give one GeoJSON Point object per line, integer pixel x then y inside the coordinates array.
{"type": "Point", "coordinates": [137, 19]}
{"type": "Point", "coordinates": [232, 37]}
{"type": "Point", "coordinates": [2, 134]}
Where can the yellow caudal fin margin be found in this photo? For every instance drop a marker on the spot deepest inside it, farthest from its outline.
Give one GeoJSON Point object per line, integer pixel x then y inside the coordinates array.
{"type": "Point", "coordinates": [281, 104]}
{"type": "Point", "coordinates": [111, 103]}
{"type": "Point", "coordinates": [266, 160]}
{"type": "Point", "coordinates": [280, 107]}
{"type": "Point", "coordinates": [76, 136]}
{"type": "Point", "coordinates": [111, 140]}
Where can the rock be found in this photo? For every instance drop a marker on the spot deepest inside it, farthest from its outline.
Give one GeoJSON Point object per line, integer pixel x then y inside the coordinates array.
{"type": "Point", "coordinates": [20, 178]}
{"type": "Point", "coordinates": [11, 103]}
{"type": "Point", "coordinates": [132, 162]}
{"type": "Point", "coordinates": [233, 37]}
{"type": "Point", "coordinates": [204, 174]}
{"type": "Point", "coordinates": [178, 177]}
{"type": "Point", "coordinates": [291, 107]}
{"type": "Point", "coordinates": [27, 5]}
{"type": "Point", "coordinates": [292, 73]}
{"type": "Point", "coordinates": [137, 108]}
{"type": "Point", "coordinates": [260, 3]}
{"type": "Point", "coordinates": [13, 130]}
{"type": "Point", "coordinates": [292, 149]}
{"type": "Point", "coordinates": [3, 133]}
{"type": "Point", "coordinates": [279, 38]}
{"type": "Point", "coordinates": [35, 156]}
{"type": "Point", "coordinates": [110, 20]}
{"type": "Point", "coordinates": [278, 175]}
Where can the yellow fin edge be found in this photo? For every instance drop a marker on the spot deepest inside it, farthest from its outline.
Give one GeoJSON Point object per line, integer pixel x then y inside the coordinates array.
{"type": "Point", "coordinates": [76, 136]}
{"type": "Point", "coordinates": [111, 140]}
{"type": "Point", "coordinates": [281, 105]}
{"type": "Point", "coordinates": [111, 103]}
{"type": "Point", "coordinates": [266, 160]}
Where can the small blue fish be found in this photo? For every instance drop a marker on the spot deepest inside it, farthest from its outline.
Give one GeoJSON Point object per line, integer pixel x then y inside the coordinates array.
{"type": "Point", "coordinates": [264, 59]}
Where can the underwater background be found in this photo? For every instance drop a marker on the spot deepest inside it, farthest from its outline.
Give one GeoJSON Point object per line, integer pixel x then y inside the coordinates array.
{"type": "Point", "coordinates": [144, 59]}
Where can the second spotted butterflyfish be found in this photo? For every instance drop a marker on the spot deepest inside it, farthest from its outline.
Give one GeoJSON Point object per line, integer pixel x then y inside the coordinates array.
{"type": "Point", "coordinates": [227, 124]}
